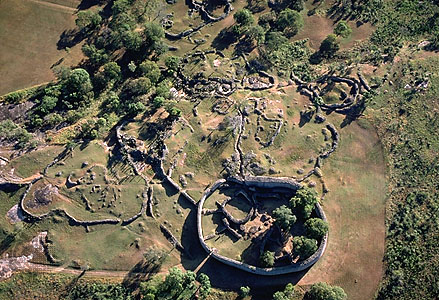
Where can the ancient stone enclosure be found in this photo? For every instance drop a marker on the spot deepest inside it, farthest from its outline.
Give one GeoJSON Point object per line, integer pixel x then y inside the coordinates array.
{"type": "Point", "coordinates": [246, 143]}
{"type": "Point", "coordinates": [259, 188]}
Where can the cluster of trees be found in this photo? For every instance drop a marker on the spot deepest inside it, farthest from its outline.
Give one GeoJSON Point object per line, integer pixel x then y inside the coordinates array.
{"type": "Point", "coordinates": [176, 285]}
{"type": "Point", "coordinates": [126, 86]}
{"type": "Point", "coordinates": [301, 206]}
{"type": "Point", "coordinates": [287, 22]}
{"type": "Point", "coordinates": [273, 32]}
{"type": "Point", "coordinates": [62, 101]}
{"type": "Point", "coordinates": [14, 133]}
{"type": "Point", "coordinates": [317, 291]}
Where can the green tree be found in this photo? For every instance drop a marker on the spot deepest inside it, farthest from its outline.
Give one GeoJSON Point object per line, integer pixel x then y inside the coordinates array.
{"type": "Point", "coordinates": [289, 21]}
{"type": "Point", "coordinates": [323, 291]}
{"type": "Point", "coordinates": [162, 89]}
{"type": "Point", "coordinates": [132, 40]}
{"type": "Point", "coordinates": [111, 71]}
{"type": "Point", "coordinates": [274, 40]}
{"type": "Point", "coordinates": [173, 112]}
{"type": "Point", "coordinates": [47, 104]}
{"type": "Point", "coordinates": [205, 285]}
{"type": "Point", "coordinates": [267, 259]}
{"type": "Point", "coordinates": [150, 70]}
{"type": "Point", "coordinates": [153, 33]}
{"type": "Point", "coordinates": [53, 119]}
{"type": "Point", "coordinates": [329, 46]}
{"type": "Point", "coordinates": [244, 17]}
{"type": "Point", "coordinates": [88, 19]}
{"type": "Point", "coordinates": [77, 88]}
{"type": "Point", "coordinates": [304, 201]}
{"type": "Point", "coordinates": [176, 283]}
{"type": "Point", "coordinates": [343, 29]}
{"type": "Point", "coordinates": [158, 101]}
{"type": "Point", "coordinates": [120, 6]}
{"type": "Point", "coordinates": [256, 33]}
{"type": "Point", "coordinates": [95, 56]}
{"type": "Point", "coordinates": [135, 108]}
{"type": "Point", "coordinates": [112, 102]}
{"type": "Point", "coordinates": [172, 62]}
{"type": "Point", "coordinates": [316, 228]}
{"type": "Point", "coordinates": [139, 86]}
{"type": "Point", "coordinates": [284, 217]}
{"type": "Point", "coordinates": [286, 294]}
{"type": "Point", "coordinates": [98, 291]}
{"type": "Point", "coordinates": [304, 247]}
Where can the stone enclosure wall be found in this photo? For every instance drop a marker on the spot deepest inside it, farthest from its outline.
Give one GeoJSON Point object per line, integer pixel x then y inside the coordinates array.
{"type": "Point", "coordinates": [265, 183]}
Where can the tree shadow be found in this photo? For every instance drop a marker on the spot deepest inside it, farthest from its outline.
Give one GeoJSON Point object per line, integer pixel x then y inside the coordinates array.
{"type": "Point", "coordinates": [70, 38]}
{"type": "Point", "coordinates": [86, 4]}
{"type": "Point", "coordinates": [224, 39]}
{"type": "Point", "coordinates": [142, 271]}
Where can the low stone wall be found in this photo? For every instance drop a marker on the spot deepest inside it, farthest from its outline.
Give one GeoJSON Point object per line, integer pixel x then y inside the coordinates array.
{"type": "Point", "coordinates": [30, 217]}
{"type": "Point", "coordinates": [272, 182]}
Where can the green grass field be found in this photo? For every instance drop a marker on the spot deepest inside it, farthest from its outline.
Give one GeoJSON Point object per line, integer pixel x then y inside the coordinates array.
{"type": "Point", "coordinates": [29, 31]}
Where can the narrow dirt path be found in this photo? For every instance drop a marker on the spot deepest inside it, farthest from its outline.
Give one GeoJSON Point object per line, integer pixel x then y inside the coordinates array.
{"type": "Point", "coordinates": [56, 6]}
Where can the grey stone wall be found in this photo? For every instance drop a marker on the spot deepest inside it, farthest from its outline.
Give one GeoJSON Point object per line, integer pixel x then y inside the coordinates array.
{"type": "Point", "coordinates": [263, 182]}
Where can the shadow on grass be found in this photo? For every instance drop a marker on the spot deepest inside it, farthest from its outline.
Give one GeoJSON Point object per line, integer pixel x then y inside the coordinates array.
{"type": "Point", "coordinates": [224, 39]}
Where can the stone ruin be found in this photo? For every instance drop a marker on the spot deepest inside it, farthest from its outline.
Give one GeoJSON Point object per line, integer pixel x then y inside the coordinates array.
{"type": "Point", "coordinates": [252, 189]}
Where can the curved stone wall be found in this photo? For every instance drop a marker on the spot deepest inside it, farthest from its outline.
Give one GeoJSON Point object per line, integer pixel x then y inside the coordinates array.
{"type": "Point", "coordinates": [262, 182]}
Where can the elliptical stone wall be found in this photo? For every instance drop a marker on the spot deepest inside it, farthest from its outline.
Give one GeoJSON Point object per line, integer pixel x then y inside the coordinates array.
{"type": "Point", "coordinates": [266, 183]}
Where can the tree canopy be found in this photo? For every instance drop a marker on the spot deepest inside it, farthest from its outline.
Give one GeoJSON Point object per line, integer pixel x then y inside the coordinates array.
{"type": "Point", "coordinates": [329, 46]}
{"type": "Point", "coordinates": [289, 21]}
{"type": "Point", "coordinates": [316, 228]}
{"type": "Point", "coordinates": [244, 17]}
{"type": "Point", "coordinates": [343, 29]}
{"type": "Point", "coordinates": [304, 201]}
{"type": "Point", "coordinates": [284, 217]}
{"type": "Point", "coordinates": [304, 247]}
{"type": "Point", "coordinates": [267, 258]}
{"type": "Point", "coordinates": [324, 291]}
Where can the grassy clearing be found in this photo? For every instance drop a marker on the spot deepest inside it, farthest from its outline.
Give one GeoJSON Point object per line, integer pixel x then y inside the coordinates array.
{"type": "Point", "coordinates": [355, 176]}
{"type": "Point", "coordinates": [34, 162]}
{"type": "Point", "coordinates": [29, 31]}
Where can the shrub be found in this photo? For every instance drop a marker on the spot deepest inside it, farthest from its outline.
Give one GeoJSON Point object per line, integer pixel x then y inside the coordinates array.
{"type": "Point", "coordinates": [342, 29]}
{"type": "Point", "coordinates": [267, 259]}
{"type": "Point", "coordinates": [244, 291]}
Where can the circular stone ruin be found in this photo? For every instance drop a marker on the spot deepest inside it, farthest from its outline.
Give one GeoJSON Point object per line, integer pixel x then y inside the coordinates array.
{"type": "Point", "coordinates": [258, 187]}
